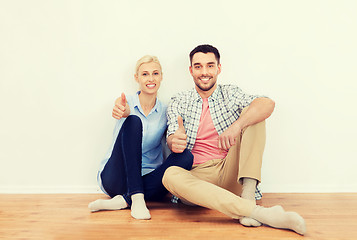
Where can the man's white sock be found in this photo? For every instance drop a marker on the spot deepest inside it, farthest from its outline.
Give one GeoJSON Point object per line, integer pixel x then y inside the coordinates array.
{"type": "Point", "coordinates": [277, 217]}
{"type": "Point", "coordinates": [248, 192]}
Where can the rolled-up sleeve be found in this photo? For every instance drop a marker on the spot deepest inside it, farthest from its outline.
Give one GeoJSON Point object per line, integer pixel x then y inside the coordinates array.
{"type": "Point", "coordinates": [240, 99]}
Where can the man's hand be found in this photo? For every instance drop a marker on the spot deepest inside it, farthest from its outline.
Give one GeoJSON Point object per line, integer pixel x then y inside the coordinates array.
{"type": "Point", "coordinates": [121, 108]}
{"type": "Point", "coordinates": [178, 139]}
{"type": "Point", "coordinates": [229, 137]}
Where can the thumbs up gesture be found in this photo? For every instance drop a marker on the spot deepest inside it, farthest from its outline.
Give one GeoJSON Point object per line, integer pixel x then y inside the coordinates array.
{"type": "Point", "coordinates": [178, 139]}
{"type": "Point", "coordinates": [121, 108]}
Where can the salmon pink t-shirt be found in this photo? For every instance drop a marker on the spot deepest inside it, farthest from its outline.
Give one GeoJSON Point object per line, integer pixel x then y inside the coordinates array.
{"type": "Point", "coordinates": [206, 144]}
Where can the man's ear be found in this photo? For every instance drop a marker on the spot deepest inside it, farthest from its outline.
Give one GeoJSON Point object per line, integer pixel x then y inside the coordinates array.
{"type": "Point", "coordinates": [190, 68]}
{"type": "Point", "coordinates": [219, 68]}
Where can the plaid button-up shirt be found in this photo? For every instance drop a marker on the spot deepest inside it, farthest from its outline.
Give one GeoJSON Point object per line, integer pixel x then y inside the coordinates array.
{"type": "Point", "coordinates": [226, 104]}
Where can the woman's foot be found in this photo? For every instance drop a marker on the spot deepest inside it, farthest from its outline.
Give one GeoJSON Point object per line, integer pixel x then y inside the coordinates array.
{"type": "Point", "coordinates": [138, 207]}
{"type": "Point", "coordinates": [116, 203]}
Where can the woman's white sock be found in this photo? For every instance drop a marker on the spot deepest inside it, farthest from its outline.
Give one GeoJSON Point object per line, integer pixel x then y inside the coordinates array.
{"type": "Point", "coordinates": [138, 207]}
{"type": "Point", "coordinates": [116, 203]}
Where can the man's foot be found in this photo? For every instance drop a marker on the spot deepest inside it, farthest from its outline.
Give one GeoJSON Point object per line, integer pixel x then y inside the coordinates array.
{"type": "Point", "coordinates": [277, 217]}
{"type": "Point", "coordinates": [248, 192]}
{"type": "Point", "coordinates": [249, 222]}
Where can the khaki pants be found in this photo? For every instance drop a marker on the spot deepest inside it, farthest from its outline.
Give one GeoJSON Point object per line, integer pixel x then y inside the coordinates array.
{"type": "Point", "coordinates": [216, 184]}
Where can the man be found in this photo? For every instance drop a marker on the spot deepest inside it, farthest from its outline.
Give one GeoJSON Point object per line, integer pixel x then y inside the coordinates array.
{"type": "Point", "coordinates": [224, 128]}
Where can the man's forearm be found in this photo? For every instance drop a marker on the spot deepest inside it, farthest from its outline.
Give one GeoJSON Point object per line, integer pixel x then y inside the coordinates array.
{"type": "Point", "coordinates": [259, 110]}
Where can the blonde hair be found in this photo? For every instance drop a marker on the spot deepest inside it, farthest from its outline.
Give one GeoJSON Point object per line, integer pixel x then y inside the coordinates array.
{"type": "Point", "coordinates": [147, 59]}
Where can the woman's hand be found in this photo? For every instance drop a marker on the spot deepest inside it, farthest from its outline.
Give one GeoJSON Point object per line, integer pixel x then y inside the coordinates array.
{"type": "Point", "coordinates": [121, 108]}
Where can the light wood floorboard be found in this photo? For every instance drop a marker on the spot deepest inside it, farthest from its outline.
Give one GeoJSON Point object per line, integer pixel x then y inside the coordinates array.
{"type": "Point", "coordinates": [66, 216]}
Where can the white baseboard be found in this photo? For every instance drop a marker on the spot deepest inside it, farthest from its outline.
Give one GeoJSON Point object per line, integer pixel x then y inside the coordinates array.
{"type": "Point", "coordinates": [266, 188]}
{"type": "Point", "coordinates": [44, 190]}
{"type": "Point", "coordinates": [307, 188]}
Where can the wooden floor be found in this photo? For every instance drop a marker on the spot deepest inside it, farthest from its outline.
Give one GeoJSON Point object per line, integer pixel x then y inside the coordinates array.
{"type": "Point", "coordinates": [66, 216]}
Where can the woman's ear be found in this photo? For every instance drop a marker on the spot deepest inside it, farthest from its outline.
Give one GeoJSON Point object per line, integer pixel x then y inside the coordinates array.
{"type": "Point", "coordinates": [136, 77]}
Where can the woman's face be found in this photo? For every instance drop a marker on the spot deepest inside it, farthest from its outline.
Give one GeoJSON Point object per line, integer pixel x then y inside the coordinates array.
{"type": "Point", "coordinates": [149, 77]}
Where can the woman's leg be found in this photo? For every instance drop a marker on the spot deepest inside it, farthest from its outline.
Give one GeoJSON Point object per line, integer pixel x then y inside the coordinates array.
{"type": "Point", "coordinates": [153, 187]}
{"type": "Point", "coordinates": [122, 173]}
{"type": "Point", "coordinates": [121, 176]}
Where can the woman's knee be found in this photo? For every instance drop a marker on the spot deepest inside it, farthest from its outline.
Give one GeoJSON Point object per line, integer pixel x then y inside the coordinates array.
{"type": "Point", "coordinates": [133, 122]}
{"type": "Point", "coordinates": [184, 159]}
{"type": "Point", "coordinates": [187, 159]}
{"type": "Point", "coordinates": [133, 119]}
{"type": "Point", "coordinates": [131, 130]}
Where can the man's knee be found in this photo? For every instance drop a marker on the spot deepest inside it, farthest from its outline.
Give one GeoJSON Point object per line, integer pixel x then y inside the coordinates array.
{"type": "Point", "coordinates": [258, 128]}
{"type": "Point", "coordinates": [244, 110]}
{"type": "Point", "coordinates": [259, 124]}
{"type": "Point", "coordinates": [171, 174]}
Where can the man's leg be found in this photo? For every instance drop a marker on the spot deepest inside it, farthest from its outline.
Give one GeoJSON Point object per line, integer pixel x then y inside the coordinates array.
{"type": "Point", "coordinates": [186, 186]}
{"type": "Point", "coordinates": [251, 152]}
{"type": "Point", "coordinates": [183, 184]}
{"type": "Point", "coordinates": [250, 163]}
{"type": "Point", "coordinates": [245, 161]}
{"type": "Point", "coordinates": [240, 171]}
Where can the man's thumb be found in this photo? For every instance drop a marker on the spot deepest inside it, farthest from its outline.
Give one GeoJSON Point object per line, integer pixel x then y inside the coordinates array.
{"type": "Point", "coordinates": [180, 124]}
{"type": "Point", "coordinates": [123, 99]}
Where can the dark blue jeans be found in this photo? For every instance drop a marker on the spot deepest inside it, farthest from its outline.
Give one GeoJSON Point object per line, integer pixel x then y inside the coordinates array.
{"type": "Point", "coordinates": [122, 173]}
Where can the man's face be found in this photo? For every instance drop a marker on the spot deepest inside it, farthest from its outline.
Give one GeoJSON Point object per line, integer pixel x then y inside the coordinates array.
{"type": "Point", "coordinates": [205, 70]}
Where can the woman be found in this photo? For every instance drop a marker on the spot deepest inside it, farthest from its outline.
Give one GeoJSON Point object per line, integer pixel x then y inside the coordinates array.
{"type": "Point", "coordinates": [133, 170]}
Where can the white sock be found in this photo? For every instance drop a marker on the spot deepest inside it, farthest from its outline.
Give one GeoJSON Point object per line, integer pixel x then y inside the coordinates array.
{"type": "Point", "coordinates": [116, 203]}
{"type": "Point", "coordinates": [248, 192]}
{"type": "Point", "coordinates": [138, 207]}
{"type": "Point", "coordinates": [249, 186]}
{"type": "Point", "coordinates": [277, 217]}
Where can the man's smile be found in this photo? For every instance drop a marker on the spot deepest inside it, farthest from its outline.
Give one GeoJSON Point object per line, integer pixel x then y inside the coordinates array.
{"type": "Point", "coordinates": [205, 79]}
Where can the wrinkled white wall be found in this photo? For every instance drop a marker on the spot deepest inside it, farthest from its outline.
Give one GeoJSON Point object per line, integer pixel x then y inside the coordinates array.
{"type": "Point", "coordinates": [62, 64]}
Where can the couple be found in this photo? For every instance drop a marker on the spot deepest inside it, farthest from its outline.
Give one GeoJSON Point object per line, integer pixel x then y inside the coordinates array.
{"type": "Point", "coordinates": [216, 134]}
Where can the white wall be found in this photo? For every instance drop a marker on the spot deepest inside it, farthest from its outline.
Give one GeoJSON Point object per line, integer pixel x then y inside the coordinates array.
{"type": "Point", "coordinates": [62, 64]}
